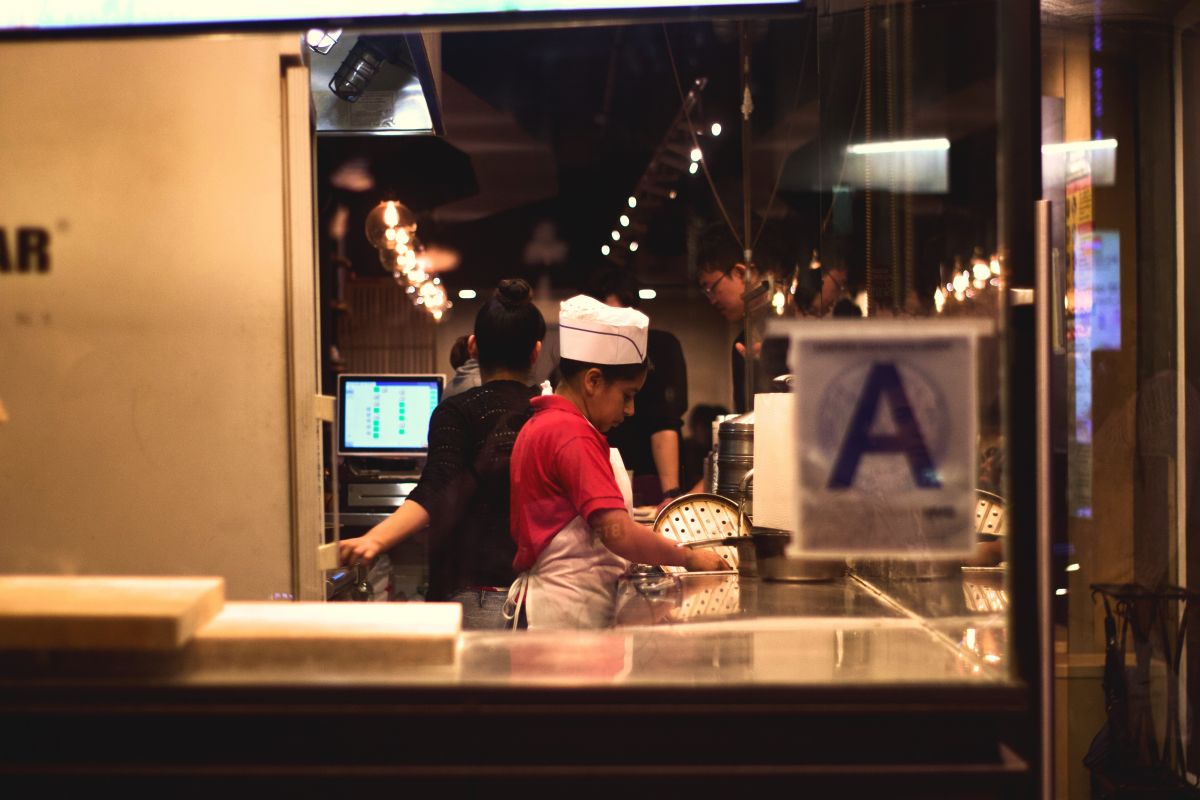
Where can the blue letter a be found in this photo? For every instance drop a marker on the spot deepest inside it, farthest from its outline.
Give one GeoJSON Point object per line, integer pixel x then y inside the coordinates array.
{"type": "Point", "coordinates": [884, 381]}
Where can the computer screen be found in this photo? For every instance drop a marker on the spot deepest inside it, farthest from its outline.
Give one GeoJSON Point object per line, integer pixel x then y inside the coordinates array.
{"type": "Point", "coordinates": [382, 415]}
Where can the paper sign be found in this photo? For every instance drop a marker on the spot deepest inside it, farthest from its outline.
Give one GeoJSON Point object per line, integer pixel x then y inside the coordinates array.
{"type": "Point", "coordinates": [885, 437]}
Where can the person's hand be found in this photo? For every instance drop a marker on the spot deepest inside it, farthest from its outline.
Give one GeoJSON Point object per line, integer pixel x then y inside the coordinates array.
{"type": "Point", "coordinates": [741, 348]}
{"type": "Point", "coordinates": [357, 551]}
{"type": "Point", "coordinates": [703, 560]}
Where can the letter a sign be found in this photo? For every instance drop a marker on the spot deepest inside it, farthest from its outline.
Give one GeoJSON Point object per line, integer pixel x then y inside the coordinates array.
{"type": "Point", "coordinates": [886, 428]}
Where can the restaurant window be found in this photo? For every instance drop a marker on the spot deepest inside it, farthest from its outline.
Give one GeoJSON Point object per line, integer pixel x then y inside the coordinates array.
{"type": "Point", "coordinates": [848, 156]}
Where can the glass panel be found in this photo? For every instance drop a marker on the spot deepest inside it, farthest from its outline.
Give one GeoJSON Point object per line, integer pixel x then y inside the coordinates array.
{"type": "Point", "coordinates": [1109, 170]}
{"type": "Point", "coordinates": [851, 172]}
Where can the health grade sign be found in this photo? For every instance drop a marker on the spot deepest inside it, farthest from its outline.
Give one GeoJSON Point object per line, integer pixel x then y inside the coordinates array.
{"type": "Point", "coordinates": [886, 436]}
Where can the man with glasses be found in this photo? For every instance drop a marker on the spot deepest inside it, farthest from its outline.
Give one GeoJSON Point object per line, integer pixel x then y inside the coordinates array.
{"type": "Point", "coordinates": [724, 278]}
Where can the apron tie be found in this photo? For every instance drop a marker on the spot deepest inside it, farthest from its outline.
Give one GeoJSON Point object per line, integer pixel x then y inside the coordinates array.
{"type": "Point", "coordinates": [515, 600]}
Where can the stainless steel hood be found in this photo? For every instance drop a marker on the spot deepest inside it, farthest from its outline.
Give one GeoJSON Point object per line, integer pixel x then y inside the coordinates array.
{"type": "Point", "coordinates": [398, 95]}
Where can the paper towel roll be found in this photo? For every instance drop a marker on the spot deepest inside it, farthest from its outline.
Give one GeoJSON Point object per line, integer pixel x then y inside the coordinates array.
{"type": "Point", "coordinates": [775, 483]}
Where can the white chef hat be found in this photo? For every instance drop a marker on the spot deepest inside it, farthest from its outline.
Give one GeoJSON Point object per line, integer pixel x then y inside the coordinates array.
{"type": "Point", "coordinates": [595, 333]}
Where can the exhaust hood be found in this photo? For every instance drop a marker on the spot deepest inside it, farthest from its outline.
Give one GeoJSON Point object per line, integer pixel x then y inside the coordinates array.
{"type": "Point", "coordinates": [386, 82]}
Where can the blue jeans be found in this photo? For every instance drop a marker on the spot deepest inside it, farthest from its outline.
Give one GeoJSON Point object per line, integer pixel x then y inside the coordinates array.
{"type": "Point", "coordinates": [481, 609]}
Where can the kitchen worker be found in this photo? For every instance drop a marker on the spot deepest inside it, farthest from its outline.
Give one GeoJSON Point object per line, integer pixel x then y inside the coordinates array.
{"type": "Point", "coordinates": [571, 495]}
{"type": "Point", "coordinates": [462, 496]}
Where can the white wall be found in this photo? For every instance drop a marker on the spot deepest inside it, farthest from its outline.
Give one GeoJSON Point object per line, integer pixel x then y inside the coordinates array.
{"type": "Point", "coordinates": [147, 373]}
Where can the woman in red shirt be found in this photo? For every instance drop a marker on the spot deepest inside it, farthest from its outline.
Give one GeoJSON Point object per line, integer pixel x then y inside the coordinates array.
{"type": "Point", "coordinates": [571, 500]}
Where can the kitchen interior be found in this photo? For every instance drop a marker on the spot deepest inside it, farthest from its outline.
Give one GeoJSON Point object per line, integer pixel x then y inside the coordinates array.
{"type": "Point", "coordinates": [547, 153]}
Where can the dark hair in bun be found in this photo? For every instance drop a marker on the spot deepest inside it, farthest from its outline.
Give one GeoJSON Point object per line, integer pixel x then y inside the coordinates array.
{"type": "Point", "coordinates": [508, 327]}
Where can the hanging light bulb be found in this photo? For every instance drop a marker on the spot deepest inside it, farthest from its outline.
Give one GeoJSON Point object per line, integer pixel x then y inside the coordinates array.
{"type": "Point", "coordinates": [632, 201]}
{"type": "Point", "coordinates": [716, 129]}
{"type": "Point", "coordinates": [616, 236]}
{"type": "Point", "coordinates": [605, 249]}
{"type": "Point", "coordinates": [672, 194]}
{"type": "Point", "coordinates": [696, 154]}
{"type": "Point", "coordinates": [624, 220]}
{"type": "Point", "coordinates": [390, 215]}
{"type": "Point", "coordinates": [694, 168]}
{"type": "Point", "coordinates": [633, 246]}
{"type": "Point", "coordinates": [939, 300]}
{"type": "Point", "coordinates": [778, 301]}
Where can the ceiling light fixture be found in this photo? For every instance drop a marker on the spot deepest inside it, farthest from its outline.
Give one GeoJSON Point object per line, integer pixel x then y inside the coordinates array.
{"type": "Point", "coordinates": [322, 41]}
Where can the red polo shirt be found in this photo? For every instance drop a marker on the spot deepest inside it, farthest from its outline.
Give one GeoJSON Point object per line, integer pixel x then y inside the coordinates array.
{"type": "Point", "coordinates": [559, 470]}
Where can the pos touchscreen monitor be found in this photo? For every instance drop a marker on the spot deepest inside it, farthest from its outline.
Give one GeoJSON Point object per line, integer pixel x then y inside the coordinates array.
{"type": "Point", "coordinates": [386, 415]}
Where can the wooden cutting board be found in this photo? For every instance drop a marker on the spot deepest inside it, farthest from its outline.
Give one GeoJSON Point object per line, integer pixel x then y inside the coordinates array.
{"type": "Point", "coordinates": [327, 638]}
{"type": "Point", "coordinates": [53, 612]}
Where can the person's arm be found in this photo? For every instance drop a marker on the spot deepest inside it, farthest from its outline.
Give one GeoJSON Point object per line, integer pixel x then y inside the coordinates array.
{"type": "Point", "coordinates": [664, 446]}
{"type": "Point", "coordinates": [402, 523]}
{"type": "Point", "coordinates": [640, 544]}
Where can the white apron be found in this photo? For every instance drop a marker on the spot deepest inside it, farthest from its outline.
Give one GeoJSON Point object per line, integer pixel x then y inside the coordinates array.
{"type": "Point", "coordinates": [573, 583]}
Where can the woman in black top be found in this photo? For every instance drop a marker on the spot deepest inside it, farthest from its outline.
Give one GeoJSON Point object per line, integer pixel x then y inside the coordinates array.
{"type": "Point", "coordinates": [463, 494]}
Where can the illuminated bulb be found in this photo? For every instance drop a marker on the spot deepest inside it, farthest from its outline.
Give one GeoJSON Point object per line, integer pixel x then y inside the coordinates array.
{"type": "Point", "coordinates": [1072, 568]}
{"type": "Point", "coordinates": [389, 215]}
{"type": "Point", "coordinates": [616, 236]}
{"type": "Point", "coordinates": [1060, 592]}
{"type": "Point", "coordinates": [437, 316]}
{"type": "Point", "coordinates": [647, 294]}
{"type": "Point", "coordinates": [672, 194]}
{"type": "Point", "coordinates": [995, 266]}
{"type": "Point", "coordinates": [961, 281]}
{"type": "Point", "coordinates": [632, 201]}
{"type": "Point", "coordinates": [939, 300]}
{"type": "Point", "coordinates": [605, 249]}
{"type": "Point", "coordinates": [694, 168]}
{"type": "Point", "coordinates": [716, 129]}
{"type": "Point", "coordinates": [633, 246]}
{"type": "Point", "coordinates": [981, 271]}
{"type": "Point", "coordinates": [467, 294]}
{"type": "Point", "coordinates": [696, 154]}
{"type": "Point", "coordinates": [624, 220]}
{"type": "Point", "coordinates": [778, 301]}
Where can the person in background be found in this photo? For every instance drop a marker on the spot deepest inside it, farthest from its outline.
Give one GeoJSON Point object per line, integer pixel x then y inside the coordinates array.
{"type": "Point", "coordinates": [724, 278]}
{"type": "Point", "coordinates": [571, 498]}
{"type": "Point", "coordinates": [463, 494]}
{"type": "Point", "coordinates": [698, 443]}
{"type": "Point", "coordinates": [465, 366]}
{"type": "Point", "coordinates": [649, 439]}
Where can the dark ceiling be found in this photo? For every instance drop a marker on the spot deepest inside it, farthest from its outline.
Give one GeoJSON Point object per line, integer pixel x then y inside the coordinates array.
{"type": "Point", "coordinates": [557, 126]}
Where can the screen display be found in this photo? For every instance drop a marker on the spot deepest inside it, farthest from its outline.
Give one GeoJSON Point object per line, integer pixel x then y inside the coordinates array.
{"type": "Point", "coordinates": [387, 414]}
{"type": "Point", "coordinates": [59, 14]}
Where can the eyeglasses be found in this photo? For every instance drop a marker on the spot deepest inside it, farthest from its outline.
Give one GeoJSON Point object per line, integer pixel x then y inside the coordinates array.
{"type": "Point", "coordinates": [711, 288]}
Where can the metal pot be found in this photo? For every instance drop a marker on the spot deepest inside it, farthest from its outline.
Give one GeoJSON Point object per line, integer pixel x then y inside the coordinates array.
{"type": "Point", "coordinates": [770, 555]}
{"type": "Point", "coordinates": [735, 455]}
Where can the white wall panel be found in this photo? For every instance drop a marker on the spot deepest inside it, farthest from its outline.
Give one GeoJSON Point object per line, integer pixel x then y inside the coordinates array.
{"type": "Point", "coordinates": [146, 372]}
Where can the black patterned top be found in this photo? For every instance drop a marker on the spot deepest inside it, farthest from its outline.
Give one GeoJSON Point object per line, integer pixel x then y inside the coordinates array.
{"type": "Point", "coordinates": [464, 487]}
